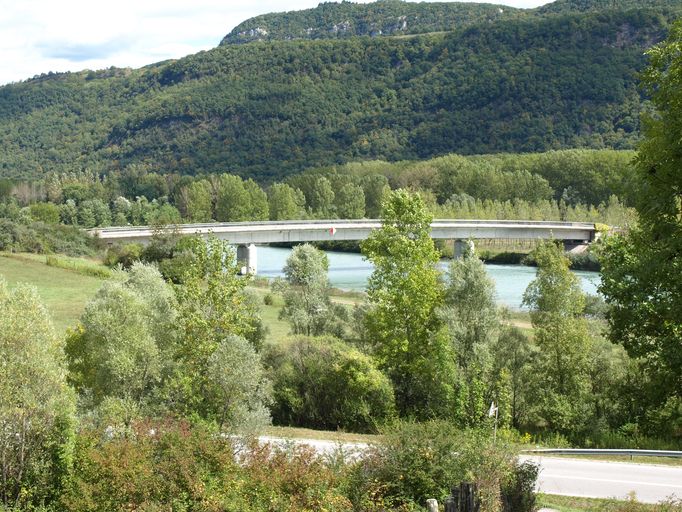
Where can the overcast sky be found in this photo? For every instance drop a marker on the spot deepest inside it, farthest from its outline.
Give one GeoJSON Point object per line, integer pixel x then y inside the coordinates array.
{"type": "Point", "coordinates": [37, 36]}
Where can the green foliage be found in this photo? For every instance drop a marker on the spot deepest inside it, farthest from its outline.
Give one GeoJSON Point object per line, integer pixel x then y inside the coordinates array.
{"type": "Point", "coordinates": [347, 19]}
{"type": "Point", "coordinates": [470, 314]}
{"type": "Point", "coordinates": [417, 461]}
{"type": "Point", "coordinates": [513, 355]}
{"type": "Point", "coordinates": [306, 292]}
{"type": "Point", "coordinates": [129, 359]}
{"type": "Point", "coordinates": [239, 200]}
{"type": "Point", "coordinates": [45, 212]}
{"type": "Point", "coordinates": [404, 294]}
{"type": "Point", "coordinates": [285, 202]}
{"type": "Point", "coordinates": [642, 277]}
{"type": "Point", "coordinates": [325, 384]}
{"type": "Point", "coordinates": [237, 387]}
{"type": "Point", "coordinates": [124, 255]}
{"type": "Point", "coordinates": [40, 238]}
{"type": "Point", "coordinates": [37, 407]}
{"type": "Point", "coordinates": [268, 110]}
{"type": "Point", "coordinates": [557, 304]}
{"type": "Point", "coordinates": [212, 307]}
{"type": "Point", "coordinates": [172, 466]}
{"type": "Point", "coordinates": [350, 202]}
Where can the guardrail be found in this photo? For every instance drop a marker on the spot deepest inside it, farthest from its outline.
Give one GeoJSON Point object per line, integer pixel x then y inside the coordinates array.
{"type": "Point", "coordinates": [581, 451]}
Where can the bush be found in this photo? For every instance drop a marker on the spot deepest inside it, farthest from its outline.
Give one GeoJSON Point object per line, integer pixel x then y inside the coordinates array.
{"type": "Point", "coordinates": [324, 383]}
{"type": "Point", "coordinates": [42, 238]}
{"type": "Point", "coordinates": [124, 255]}
{"type": "Point", "coordinates": [158, 466]}
{"type": "Point", "coordinates": [173, 466]}
{"type": "Point", "coordinates": [418, 461]}
{"type": "Point", "coordinates": [518, 493]}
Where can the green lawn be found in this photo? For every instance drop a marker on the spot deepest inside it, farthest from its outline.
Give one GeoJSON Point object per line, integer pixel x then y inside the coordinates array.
{"type": "Point", "coordinates": [64, 292]}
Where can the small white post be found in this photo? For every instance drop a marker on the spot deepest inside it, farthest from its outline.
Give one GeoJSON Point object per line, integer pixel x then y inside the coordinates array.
{"type": "Point", "coordinates": [432, 505]}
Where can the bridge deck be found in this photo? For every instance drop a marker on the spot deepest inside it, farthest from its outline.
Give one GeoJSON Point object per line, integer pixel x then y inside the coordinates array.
{"type": "Point", "coordinates": [325, 230]}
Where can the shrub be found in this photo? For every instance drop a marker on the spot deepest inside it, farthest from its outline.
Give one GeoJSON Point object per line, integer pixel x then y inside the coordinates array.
{"type": "Point", "coordinates": [324, 383]}
{"type": "Point", "coordinates": [165, 466]}
{"type": "Point", "coordinates": [417, 461]}
{"type": "Point", "coordinates": [173, 466]}
{"type": "Point", "coordinates": [292, 479]}
{"type": "Point", "coordinates": [518, 493]}
{"type": "Point", "coordinates": [124, 255]}
{"type": "Point", "coordinates": [41, 238]}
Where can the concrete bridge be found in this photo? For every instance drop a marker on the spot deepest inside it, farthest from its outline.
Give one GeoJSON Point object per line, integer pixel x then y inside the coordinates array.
{"type": "Point", "coordinates": [245, 235]}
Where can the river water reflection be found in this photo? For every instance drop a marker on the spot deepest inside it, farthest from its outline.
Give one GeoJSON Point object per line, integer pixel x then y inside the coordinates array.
{"type": "Point", "coordinates": [350, 272]}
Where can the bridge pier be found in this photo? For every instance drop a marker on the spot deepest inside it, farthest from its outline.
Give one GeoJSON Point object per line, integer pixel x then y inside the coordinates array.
{"type": "Point", "coordinates": [463, 247]}
{"type": "Point", "coordinates": [247, 256]}
{"type": "Point", "coordinates": [575, 246]}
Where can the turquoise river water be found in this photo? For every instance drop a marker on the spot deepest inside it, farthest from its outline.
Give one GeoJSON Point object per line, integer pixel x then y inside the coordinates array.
{"type": "Point", "coordinates": [350, 271]}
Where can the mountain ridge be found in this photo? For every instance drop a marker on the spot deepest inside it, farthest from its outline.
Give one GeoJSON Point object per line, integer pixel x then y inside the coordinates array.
{"type": "Point", "coordinates": [272, 109]}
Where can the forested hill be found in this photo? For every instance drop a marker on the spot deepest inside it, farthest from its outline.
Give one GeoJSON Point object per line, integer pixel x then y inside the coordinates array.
{"type": "Point", "coordinates": [384, 17]}
{"type": "Point", "coordinates": [333, 20]}
{"type": "Point", "coordinates": [566, 6]}
{"type": "Point", "coordinates": [273, 108]}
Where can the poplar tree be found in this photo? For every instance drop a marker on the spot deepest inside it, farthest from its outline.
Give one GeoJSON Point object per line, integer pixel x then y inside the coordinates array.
{"type": "Point", "coordinates": [404, 294]}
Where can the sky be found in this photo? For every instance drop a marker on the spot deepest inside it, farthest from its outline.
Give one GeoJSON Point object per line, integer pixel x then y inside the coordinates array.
{"type": "Point", "coordinates": [38, 36]}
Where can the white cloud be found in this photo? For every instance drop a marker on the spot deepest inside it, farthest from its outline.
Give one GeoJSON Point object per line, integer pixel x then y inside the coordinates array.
{"type": "Point", "coordinates": [37, 36]}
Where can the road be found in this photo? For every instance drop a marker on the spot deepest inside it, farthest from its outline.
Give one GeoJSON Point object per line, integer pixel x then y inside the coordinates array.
{"type": "Point", "coordinates": [570, 477]}
{"type": "Point", "coordinates": [599, 479]}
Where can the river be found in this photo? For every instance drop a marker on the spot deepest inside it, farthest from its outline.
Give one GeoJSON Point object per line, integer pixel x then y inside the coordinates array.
{"type": "Point", "coordinates": [350, 271]}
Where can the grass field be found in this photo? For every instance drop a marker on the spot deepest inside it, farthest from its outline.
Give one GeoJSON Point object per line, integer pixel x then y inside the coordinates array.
{"type": "Point", "coordinates": [64, 292]}
{"type": "Point", "coordinates": [574, 504]}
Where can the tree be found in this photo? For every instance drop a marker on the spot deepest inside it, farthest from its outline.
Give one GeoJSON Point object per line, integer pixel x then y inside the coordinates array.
{"type": "Point", "coordinates": [350, 202]}
{"type": "Point", "coordinates": [124, 346]}
{"type": "Point", "coordinates": [375, 186]}
{"type": "Point", "coordinates": [642, 272]}
{"type": "Point", "coordinates": [232, 202]}
{"type": "Point", "coordinates": [561, 368]}
{"type": "Point", "coordinates": [198, 201]}
{"type": "Point", "coordinates": [470, 313]}
{"type": "Point", "coordinates": [212, 307]}
{"type": "Point", "coordinates": [326, 384]}
{"type": "Point", "coordinates": [237, 388]}
{"type": "Point", "coordinates": [37, 407]}
{"type": "Point", "coordinates": [45, 212]}
{"type": "Point", "coordinates": [321, 200]}
{"type": "Point", "coordinates": [258, 201]}
{"type": "Point", "coordinates": [307, 303]}
{"type": "Point", "coordinates": [513, 354]}
{"type": "Point", "coordinates": [404, 293]}
{"type": "Point", "coordinates": [285, 202]}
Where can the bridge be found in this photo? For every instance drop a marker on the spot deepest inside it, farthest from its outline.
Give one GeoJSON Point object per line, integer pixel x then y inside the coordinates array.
{"type": "Point", "coordinates": [245, 235]}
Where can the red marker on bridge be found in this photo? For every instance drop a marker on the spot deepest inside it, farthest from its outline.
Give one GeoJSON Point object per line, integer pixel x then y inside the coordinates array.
{"type": "Point", "coordinates": [332, 231]}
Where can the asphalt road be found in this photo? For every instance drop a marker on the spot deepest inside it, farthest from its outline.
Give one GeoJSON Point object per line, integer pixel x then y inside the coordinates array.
{"type": "Point", "coordinates": [565, 476]}
{"type": "Point", "coordinates": [600, 479]}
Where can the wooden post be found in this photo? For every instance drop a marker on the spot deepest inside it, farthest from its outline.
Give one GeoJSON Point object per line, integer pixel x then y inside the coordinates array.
{"type": "Point", "coordinates": [432, 505]}
{"type": "Point", "coordinates": [463, 499]}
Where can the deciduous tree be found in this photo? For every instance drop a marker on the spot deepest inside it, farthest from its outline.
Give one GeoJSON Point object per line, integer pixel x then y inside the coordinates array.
{"type": "Point", "coordinates": [404, 293]}
{"type": "Point", "coordinates": [642, 272]}
{"type": "Point", "coordinates": [561, 368]}
{"type": "Point", "coordinates": [37, 407]}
